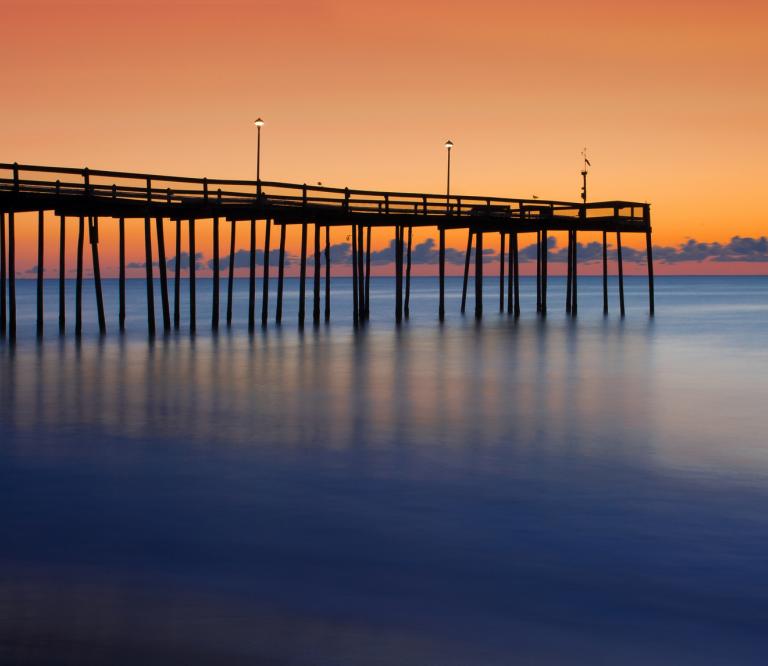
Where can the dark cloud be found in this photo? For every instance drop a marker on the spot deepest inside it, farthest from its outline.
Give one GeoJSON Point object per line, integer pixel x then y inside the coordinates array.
{"type": "Point", "coordinates": [184, 261]}
{"type": "Point", "coordinates": [737, 249]}
{"type": "Point", "coordinates": [243, 259]}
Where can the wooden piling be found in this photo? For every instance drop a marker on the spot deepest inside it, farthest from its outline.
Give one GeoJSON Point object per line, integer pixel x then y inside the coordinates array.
{"type": "Point", "coordinates": [265, 278]}
{"type": "Point", "coordinates": [502, 252]}
{"type": "Point", "coordinates": [150, 285]}
{"type": "Point", "coordinates": [605, 273]}
{"type": "Point", "coordinates": [621, 273]}
{"type": "Point", "coordinates": [316, 285]}
{"type": "Point", "coordinates": [3, 272]}
{"type": "Point", "coordinates": [231, 269]}
{"type": "Point", "coordinates": [327, 273]}
{"type": "Point", "coordinates": [302, 272]}
{"type": "Point", "coordinates": [407, 305]}
{"type": "Point", "coordinates": [93, 238]}
{"type": "Point", "coordinates": [192, 271]}
{"type": "Point", "coordinates": [516, 263]}
{"type": "Point", "coordinates": [398, 275]}
{"type": "Point", "coordinates": [538, 271]}
{"type": "Point", "coordinates": [575, 275]}
{"type": "Point", "coordinates": [569, 278]}
{"type": "Point", "coordinates": [649, 257]}
{"type": "Point", "coordinates": [510, 279]}
{"type": "Point", "coordinates": [478, 274]}
{"type": "Point", "coordinates": [252, 278]}
{"type": "Point", "coordinates": [177, 278]}
{"type": "Point", "coordinates": [215, 303]}
{"type": "Point", "coordinates": [280, 274]}
{"type": "Point", "coordinates": [355, 314]}
{"type": "Point", "coordinates": [441, 309]}
{"type": "Point", "coordinates": [79, 277]}
{"type": "Point", "coordinates": [163, 270]}
{"type": "Point", "coordinates": [544, 269]}
{"type": "Point", "coordinates": [368, 273]}
{"type": "Point", "coordinates": [12, 275]}
{"type": "Point", "coordinates": [466, 271]}
{"type": "Point", "coordinates": [360, 274]}
{"type": "Point", "coordinates": [40, 269]}
{"type": "Point", "coordinates": [62, 274]}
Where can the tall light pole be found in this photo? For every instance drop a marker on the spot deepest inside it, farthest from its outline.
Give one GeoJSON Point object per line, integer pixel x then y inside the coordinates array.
{"type": "Point", "coordinates": [448, 145]}
{"type": "Point", "coordinates": [441, 311]}
{"type": "Point", "coordinates": [259, 124]}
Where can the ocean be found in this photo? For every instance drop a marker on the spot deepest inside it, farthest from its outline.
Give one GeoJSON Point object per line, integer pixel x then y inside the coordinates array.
{"type": "Point", "coordinates": [558, 490]}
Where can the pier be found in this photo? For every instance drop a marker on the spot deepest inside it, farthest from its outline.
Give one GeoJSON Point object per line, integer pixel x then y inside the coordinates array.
{"type": "Point", "coordinates": [88, 196]}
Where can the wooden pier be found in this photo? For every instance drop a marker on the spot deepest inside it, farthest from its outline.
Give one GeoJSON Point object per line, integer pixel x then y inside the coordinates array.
{"type": "Point", "coordinates": [91, 195]}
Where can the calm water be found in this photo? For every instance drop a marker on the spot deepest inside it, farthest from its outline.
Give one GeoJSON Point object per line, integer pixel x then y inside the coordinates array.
{"type": "Point", "coordinates": [559, 492]}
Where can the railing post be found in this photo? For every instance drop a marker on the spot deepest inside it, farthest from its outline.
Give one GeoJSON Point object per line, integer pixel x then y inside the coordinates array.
{"type": "Point", "coordinates": [15, 177]}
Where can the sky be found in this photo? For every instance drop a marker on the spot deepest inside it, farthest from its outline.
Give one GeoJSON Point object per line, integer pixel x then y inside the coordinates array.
{"type": "Point", "coordinates": [670, 98]}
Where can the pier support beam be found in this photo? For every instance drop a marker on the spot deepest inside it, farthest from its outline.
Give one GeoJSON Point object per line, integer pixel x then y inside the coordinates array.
{"type": "Point", "coordinates": [544, 269]}
{"type": "Point", "coordinates": [605, 272]}
{"type": "Point", "coordinates": [502, 241]}
{"type": "Point", "coordinates": [163, 269]}
{"type": "Point", "coordinates": [40, 269]}
{"type": "Point", "coordinates": [121, 274]}
{"type": "Point", "coordinates": [478, 274]}
{"type": "Point", "coordinates": [12, 275]}
{"type": "Point", "coordinates": [215, 304]}
{"type": "Point", "coordinates": [316, 285]}
{"type": "Point", "coordinates": [93, 238]}
{"type": "Point", "coordinates": [62, 274]}
{"type": "Point", "coordinates": [327, 273]}
{"type": "Point", "coordinates": [177, 278]}
{"type": "Point", "coordinates": [621, 273]}
{"type": "Point", "coordinates": [3, 272]}
{"type": "Point", "coordinates": [79, 277]}
{"type": "Point", "coordinates": [355, 314]}
{"type": "Point", "coordinates": [569, 278]}
{"type": "Point", "coordinates": [265, 279]}
{"type": "Point", "coordinates": [466, 271]}
{"type": "Point", "coordinates": [252, 278]}
{"type": "Point", "coordinates": [441, 309]}
{"type": "Point", "coordinates": [231, 269]}
{"type": "Point", "coordinates": [510, 279]}
{"type": "Point", "coordinates": [368, 272]}
{"type": "Point", "coordinates": [192, 286]}
{"type": "Point", "coordinates": [280, 277]}
{"type": "Point", "coordinates": [516, 262]}
{"type": "Point", "coordinates": [360, 274]}
{"type": "Point", "coordinates": [398, 274]}
{"type": "Point", "coordinates": [575, 275]}
{"type": "Point", "coordinates": [327, 309]}
{"type": "Point", "coordinates": [302, 273]}
{"type": "Point", "coordinates": [150, 286]}
{"type": "Point", "coordinates": [649, 257]}
{"type": "Point", "coordinates": [407, 306]}
{"type": "Point", "coordinates": [538, 271]}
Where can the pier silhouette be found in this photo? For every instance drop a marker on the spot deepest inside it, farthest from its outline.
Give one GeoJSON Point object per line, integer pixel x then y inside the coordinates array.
{"type": "Point", "coordinates": [88, 195]}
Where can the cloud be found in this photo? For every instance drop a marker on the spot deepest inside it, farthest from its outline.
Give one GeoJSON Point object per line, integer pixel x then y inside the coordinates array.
{"type": "Point", "coordinates": [243, 259]}
{"type": "Point", "coordinates": [184, 261]}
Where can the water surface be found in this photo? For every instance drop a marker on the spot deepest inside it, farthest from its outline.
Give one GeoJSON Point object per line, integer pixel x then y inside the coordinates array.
{"type": "Point", "coordinates": [530, 492]}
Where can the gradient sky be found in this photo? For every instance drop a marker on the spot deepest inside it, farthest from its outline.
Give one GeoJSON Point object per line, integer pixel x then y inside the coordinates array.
{"type": "Point", "coordinates": [671, 99]}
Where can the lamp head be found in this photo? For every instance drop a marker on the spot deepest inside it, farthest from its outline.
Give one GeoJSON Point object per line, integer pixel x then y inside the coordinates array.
{"type": "Point", "coordinates": [449, 144]}
{"type": "Point", "coordinates": [258, 122]}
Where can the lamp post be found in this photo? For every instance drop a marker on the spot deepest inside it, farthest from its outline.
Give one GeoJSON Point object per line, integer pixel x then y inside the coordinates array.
{"type": "Point", "coordinates": [259, 124]}
{"type": "Point", "coordinates": [448, 145]}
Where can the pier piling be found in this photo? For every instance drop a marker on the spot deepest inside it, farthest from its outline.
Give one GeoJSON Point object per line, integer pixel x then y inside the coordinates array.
{"type": "Point", "coordinates": [252, 278]}
{"type": "Point", "coordinates": [575, 276]}
{"type": "Point", "coordinates": [93, 238]}
{"type": "Point", "coordinates": [40, 269]}
{"type": "Point", "coordinates": [467, 257]}
{"type": "Point", "coordinates": [280, 276]}
{"type": "Point", "coordinates": [150, 285]}
{"type": "Point", "coordinates": [502, 243]}
{"type": "Point", "coordinates": [231, 269]}
{"type": "Point", "coordinates": [3, 272]}
{"type": "Point", "coordinates": [327, 311]}
{"type": "Point", "coordinates": [79, 277]}
{"type": "Point", "coordinates": [621, 272]}
{"type": "Point", "coordinates": [478, 274]}
{"type": "Point", "coordinates": [163, 270]}
{"type": "Point", "coordinates": [215, 300]}
{"type": "Point", "coordinates": [302, 272]}
{"type": "Point", "coordinates": [192, 271]}
{"type": "Point", "coordinates": [265, 278]}
{"type": "Point", "coordinates": [177, 278]}
{"type": "Point", "coordinates": [407, 304]}
{"type": "Point", "coordinates": [316, 284]}
{"type": "Point", "coordinates": [605, 273]}
{"type": "Point", "coordinates": [62, 273]}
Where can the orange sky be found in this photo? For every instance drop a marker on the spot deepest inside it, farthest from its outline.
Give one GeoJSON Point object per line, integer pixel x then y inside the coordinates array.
{"type": "Point", "coordinates": [670, 97]}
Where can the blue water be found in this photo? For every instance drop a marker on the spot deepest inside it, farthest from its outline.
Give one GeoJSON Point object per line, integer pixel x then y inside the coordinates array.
{"type": "Point", "coordinates": [589, 491]}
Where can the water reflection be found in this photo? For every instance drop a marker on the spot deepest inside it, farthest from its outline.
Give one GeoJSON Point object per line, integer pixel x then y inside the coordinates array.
{"type": "Point", "coordinates": [557, 491]}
